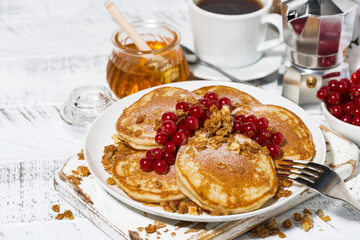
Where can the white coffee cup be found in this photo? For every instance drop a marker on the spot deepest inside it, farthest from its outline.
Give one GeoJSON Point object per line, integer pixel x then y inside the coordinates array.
{"type": "Point", "coordinates": [233, 41]}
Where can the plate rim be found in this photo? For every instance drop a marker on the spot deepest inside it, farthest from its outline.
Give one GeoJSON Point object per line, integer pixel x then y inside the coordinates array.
{"type": "Point", "coordinates": [200, 218]}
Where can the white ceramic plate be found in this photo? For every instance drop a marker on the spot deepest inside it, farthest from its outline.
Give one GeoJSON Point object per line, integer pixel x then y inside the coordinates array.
{"type": "Point", "coordinates": [103, 128]}
{"type": "Point", "coordinates": [266, 65]}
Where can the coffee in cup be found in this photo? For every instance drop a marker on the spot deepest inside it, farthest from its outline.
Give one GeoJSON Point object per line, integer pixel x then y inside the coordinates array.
{"type": "Point", "coordinates": [231, 33]}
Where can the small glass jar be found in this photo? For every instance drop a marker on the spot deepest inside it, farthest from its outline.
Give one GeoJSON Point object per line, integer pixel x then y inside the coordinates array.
{"type": "Point", "coordinates": [130, 70]}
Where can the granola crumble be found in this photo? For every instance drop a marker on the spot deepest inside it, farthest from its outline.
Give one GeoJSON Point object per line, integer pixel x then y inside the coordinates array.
{"type": "Point", "coordinates": [83, 171]}
{"type": "Point", "coordinates": [55, 208]}
{"type": "Point", "coordinates": [81, 155]}
{"type": "Point", "coordinates": [110, 181]}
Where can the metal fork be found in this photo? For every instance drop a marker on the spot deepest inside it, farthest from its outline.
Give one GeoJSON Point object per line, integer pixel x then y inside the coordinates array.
{"type": "Point", "coordinates": [318, 177]}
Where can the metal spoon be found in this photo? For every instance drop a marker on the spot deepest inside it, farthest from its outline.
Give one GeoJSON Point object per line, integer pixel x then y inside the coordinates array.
{"type": "Point", "coordinates": [192, 58]}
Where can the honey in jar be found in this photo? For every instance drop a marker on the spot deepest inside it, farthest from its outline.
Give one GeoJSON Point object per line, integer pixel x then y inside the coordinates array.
{"type": "Point", "coordinates": [130, 70]}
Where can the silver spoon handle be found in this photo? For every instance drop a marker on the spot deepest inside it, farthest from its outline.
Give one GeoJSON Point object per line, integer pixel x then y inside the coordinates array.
{"type": "Point", "coordinates": [232, 78]}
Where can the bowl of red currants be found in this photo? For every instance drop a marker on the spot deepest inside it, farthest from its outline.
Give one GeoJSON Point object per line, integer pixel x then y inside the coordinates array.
{"type": "Point", "coordinates": [341, 106]}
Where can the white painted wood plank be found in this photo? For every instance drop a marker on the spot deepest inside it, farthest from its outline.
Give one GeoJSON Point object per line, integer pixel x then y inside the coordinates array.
{"type": "Point", "coordinates": [77, 229]}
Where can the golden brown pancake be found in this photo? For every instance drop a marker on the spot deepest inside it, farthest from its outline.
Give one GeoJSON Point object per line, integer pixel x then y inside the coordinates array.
{"type": "Point", "coordinates": [140, 185]}
{"type": "Point", "coordinates": [236, 96]}
{"type": "Point", "coordinates": [298, 143]}
{"type": "Point", "coordinates": [136, 125]}
{"type": "Point", "coordinates": [240, 179]}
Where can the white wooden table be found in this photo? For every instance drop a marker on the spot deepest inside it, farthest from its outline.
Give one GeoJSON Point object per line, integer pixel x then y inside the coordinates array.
{"type": "Point", "coordinates": [47, 48]}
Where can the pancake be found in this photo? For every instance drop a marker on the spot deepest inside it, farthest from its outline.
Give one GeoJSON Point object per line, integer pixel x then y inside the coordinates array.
{"type": "Point", "coordinates": [298, 144]}
{"type": "Point", "coordinates": [144, 186]}
{"type": "Point", "coordinates": [239, 180]}
{"type": "Point", "coordinates": [236, 96]}
{"type": "Point", "coordinates": [136, 125]}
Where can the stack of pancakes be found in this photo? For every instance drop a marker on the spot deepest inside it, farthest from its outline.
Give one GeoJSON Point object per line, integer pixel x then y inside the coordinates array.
{"type": "Point", "coordinates": [238, 176]}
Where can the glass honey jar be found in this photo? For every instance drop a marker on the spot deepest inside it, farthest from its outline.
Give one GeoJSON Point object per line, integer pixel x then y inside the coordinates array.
{"type": "Point", "coordinates": [130, 70]}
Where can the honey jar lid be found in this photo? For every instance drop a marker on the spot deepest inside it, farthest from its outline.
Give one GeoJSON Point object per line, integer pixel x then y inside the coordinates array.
{"type": "Point", "coordinates": [84, 105]}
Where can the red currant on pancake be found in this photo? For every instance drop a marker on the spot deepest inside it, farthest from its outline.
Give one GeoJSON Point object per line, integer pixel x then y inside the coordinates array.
{"type": "Point", "coordinates": [211, 96]}
{"type": "Point", "coordinates": [169, 116]}
{"type": "Point", "coordinates": [225, 101]}
{"type": "Point", "coordinates": [156, 153]}
{"type": "Point", "coordinates": [183, 129]}
{"type": "Point", "coordinates": [168, 127]}
{"type": "Point", "coordinates": [149, 154]}
{"type": "Point", "coordinates": [251, 118]}
{"type": "Point", "coordinates": [336, 111]}
{"type": "Point", "coordinates": [265, 135]}
{"type": "Point", "coordinates": [216, 103]}
{"type": "Point", "coordinates": [259, 140]}
{"type": "Point", "coordinates": [249, 129]}
{"type": "Point", "coordinates": [277, 138]}
{"type": "Point", "coordinates": [240, 117]}
{"type": "Point", "coordinates": [169, 147]}
{"type": "Point", "coordinates": [160, 138]}
{"type": "Point", "coordinates": [146, 164]}
{"type": "Point", "coordinates": [160, 166]}
{"type": "Point", "coordinates": [205, 117]}
{"type": "Point", "coordinates": [196, 111]}
{"type": "Point", "coordinates": [179, 138]}
{"type": "Point", "coordinates": [183, 106]}
{"type": "Point", "coordinates": [262, 123]}
{"type": "Point", "coordinates": [237, 126]}
{"type": "Point", "coordinates": [274, 150]}
{"type": "Point", "coordinates": [191, 123]}
{"type": "Point", "coordinates": [170, 157]}
{"type": "Point", "coordinates": [205, 102]}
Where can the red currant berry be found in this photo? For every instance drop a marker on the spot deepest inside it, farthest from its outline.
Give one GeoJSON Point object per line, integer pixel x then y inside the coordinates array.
{"type": "Point", "coordinates": [160, 138]}
{"type": "Point", "coordinates": [160, 166]}
{"type": "Point", "coordinates": [169, 147]}
{"type": "Point", "coordinates": [225, 101]}
{"type": "Point", "coordinates": [259, 140]}
{"type": "Point", "coordinates": [205, 102]}
{"type": "Point", "coordinates": [185, 131]}
{"type": "Point", "coordinates": [332, 85]}
{"type": "Point", "coordinates": [249, 129]}
{"type": "Point", "coordinates": [342, 87]}
{"type": "Point", "coordinates": [183, 106]}
{"type": "Point", "coordinates": [179, 138]}
{"type": "Point", "coordinates": [346, 80]}
{"type": "Point", "coordinates": [159, 131]}
{"type": "Point", "coordinates": [169, 116]}
{"type": "Point", "coordinates": [265, 135]}
{"type": "Point", "coordinates": [278, 138]}
{"type": "Point", "coordinates": [323, 93]}
{"type": "Point", "coordinates": [356, 120]}
{"type": "Point", "coordinates": [251, 118]}
{"type": "Point", "coordinates": [205, 117]}
{"type": "Point", "coordinates": [240, 117]}
{"type": "Point", "coordinates": [168, 127]}
{"type": "Point", "coordinates": [356, 111]}
{"type": "Point", "coordinates": [334, 98]}
{"type": "Point", "coordinates": [216, 103]}
{"type": "Point", "coordinates": [355, 78]}
{"type": "Point", "coordinates": [191, 123]}
{"type": "Point", "coordinates": [336, 111]}
{"type": "Point", "coordinates": [146, 164]}
{"type": "Point", "coordinates": [262, 123]}
{"type": "Point", "coordinates": [170, 157]}
{"type": "Point", "coordinates": [156, 153]}
{"type": "Point", "coordinates": [237, 126]}
{"type": "Point", "coordinates": [274, 150]}
{"type": "Point", "coordinates": [211, 96]}
{"type": "Point", "coordinates": [346, 118]}
{"type": "Point", "coordinates": [196, 111]}
{"type": "Point", "coordinates": [149, 154]}
{"type": "Point", "coordinates": [348, 108]}
{"type": "Point", "coordinates": [354, 90]}
{"type": "Point", "coordinates": [357, 101]}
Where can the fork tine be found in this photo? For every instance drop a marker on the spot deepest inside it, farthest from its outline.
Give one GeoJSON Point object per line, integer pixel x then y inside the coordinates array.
{"type": "Point", "coordinates": [308, 171]}
{"type": "Point", "coordinates": [299, 177]}
{"type": "Point", "coordinates": [304, 164]}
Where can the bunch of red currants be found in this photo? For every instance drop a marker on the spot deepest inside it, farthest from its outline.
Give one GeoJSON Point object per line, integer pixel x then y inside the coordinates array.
{"type": "Point", "coordinates": [174, 131]}
{"type": "Point", "coordinates": [342, 98]}
{"type": "Point", "coordinates": [258, 130]}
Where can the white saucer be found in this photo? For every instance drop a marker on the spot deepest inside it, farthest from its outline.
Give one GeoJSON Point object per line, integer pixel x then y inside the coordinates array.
{"type": "Point", "coordinates": [268, 64]}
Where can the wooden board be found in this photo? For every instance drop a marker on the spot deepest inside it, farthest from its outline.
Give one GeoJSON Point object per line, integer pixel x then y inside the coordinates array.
{"type": "Point", "coordinates": [119, 220]}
